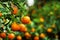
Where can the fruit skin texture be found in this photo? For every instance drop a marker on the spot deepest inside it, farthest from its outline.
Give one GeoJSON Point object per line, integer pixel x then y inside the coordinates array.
{"type": "Point", "coordinates": [42, 35]}
{"type": "Point", "coordinates": [27, 35]}
{"type": "Point", "coordinates": [3, 35]}
{"type": "Point", "coordinates": [15, 26]}
{"type": "Point", "coordinates": [22, 28]}
{"type": "Point", "coordinates": [15, 10]}
{"type": "Point", "coordinates": [49, 30]}
{"type": "Point", "coordinates": [36, 38]}
{"type": "Point", "coordinates": [11, 36]}
{"type": "Point", "coordinates": [25, 19]}
{"type": "Point", "coordinates": [0, 14]}
{"type": "Point", "coordinates": [19, 37]}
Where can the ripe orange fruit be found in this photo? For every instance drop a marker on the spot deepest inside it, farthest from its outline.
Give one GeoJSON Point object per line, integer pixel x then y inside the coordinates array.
{"type": "Point", "coordinates": [33, 30]}
{"type": "Point", "coordinates": [27, 35]}
{"type": "Point", "coordinates": [15, 26]}
{"type": "Point", "coordinates": [0, 14]}
{"type": "Point", "coordinates": [15, 10]}
{"type": "Point", "coordinates": [41, 19]}
{"type": "Point", "coordinates": [49, 30]}
{"type": "Point", "coordinates": [36, 38]}
{"type": "Point", "coordinates": [3, 35]}
{"type": "Point", "coordinates": [22, 28]}
{"type": "Point", "coordinates": [25, 29]}
{"type": "Point", "coordinates": [25, 19]}
{"type": "Point", "coordinates": [11, 36]}
{"type": "Point", "coordinates": [19, 38]}
{"type": "Point", "coordinates": [30, 22]}
{"type": "Point", "coordinates": [42, 35]}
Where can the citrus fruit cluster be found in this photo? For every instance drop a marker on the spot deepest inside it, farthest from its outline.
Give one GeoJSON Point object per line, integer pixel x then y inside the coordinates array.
{"type": "Point", "coordinates": [21, 22]}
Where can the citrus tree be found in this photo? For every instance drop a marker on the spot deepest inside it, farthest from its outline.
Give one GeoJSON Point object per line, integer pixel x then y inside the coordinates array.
{"type": "Point", "coordinates": [29, 20]}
